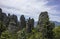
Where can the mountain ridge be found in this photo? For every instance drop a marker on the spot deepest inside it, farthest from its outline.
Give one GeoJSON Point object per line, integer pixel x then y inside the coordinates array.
{"type": "Point", "coordinates": [56, 23]}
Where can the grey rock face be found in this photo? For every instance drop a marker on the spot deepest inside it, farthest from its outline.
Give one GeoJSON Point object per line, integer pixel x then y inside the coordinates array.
{"type": "Point", "coordinates": [9, 21]}
{"type": "Point", "coordinates": [12, 27]}
{"type": "Point", "coordinates": [0, 10]}
{"type": "Point", "coordinates": [22, 22]}
{"type": "Point", "coordinates": [30, 25]}
{"type": "Point", "coordinates": [0, 14]}
{"type": "Point", "coordinates": [43, 18]}
{"type": "Point", "coordinates": [3, 17]}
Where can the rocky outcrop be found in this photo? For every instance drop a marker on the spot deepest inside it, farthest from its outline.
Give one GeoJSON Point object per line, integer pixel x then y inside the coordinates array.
{"type": "Point", "coordinates": [12, 27]}
{"type": "Point", "coordinates": [43, 23]}
{"type": "Point", "coordinates": [45, 26]}
{"type": "Point", "coordinates": [43, 19]}
{"type": "Point", "coordinates": [0, 14]}
{"type": "Point", "coordinates": [22, 22]}
{"type": "Point", "coordinates": [12, 23]}
{"type": "Point", "coordinates": [30, 25]}
{"type": "Point", "coordinates": [3, 18]}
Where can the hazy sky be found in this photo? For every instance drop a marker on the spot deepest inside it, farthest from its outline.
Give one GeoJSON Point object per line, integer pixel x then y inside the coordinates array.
{"type": "Point", "coordinates": [32, 8]}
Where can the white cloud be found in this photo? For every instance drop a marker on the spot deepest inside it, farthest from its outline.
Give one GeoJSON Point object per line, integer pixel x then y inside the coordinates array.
{"type": "Point", "coordinates": [54, 18]}
{"type": "Point", "coordinates": [30, 8]}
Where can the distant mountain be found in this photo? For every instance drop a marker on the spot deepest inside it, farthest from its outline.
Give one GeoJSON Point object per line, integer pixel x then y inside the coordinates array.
{"type": "Point", "coordinates": [35, 24]}
{"type": "Point", "coordinates": [56, 23]}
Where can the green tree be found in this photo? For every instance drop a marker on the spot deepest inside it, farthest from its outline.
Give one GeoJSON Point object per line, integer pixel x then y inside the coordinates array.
{"type": "Point", "coordinates": [22, 34]}
{"type": "Point", "coordinates": [7, 35]}
{"type": "Point", "coordinates": [57, 32]}
{"type": "Point", "coordinates": [50, 33]}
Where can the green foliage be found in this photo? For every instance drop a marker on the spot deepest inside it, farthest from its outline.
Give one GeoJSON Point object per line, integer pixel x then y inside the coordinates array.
{"type": "Point", "coordinates": [22, 34]}
{"type": "Point", "coordinates": [2, 27]}
{"type": "Point", "coordinates": [44, 30]}
{"type": "Point", "coordinates": [33, 35]}
{"type": "Point", "coordinates": [7, 35]}
{"type": "Point", "coordinates": [57, 32]}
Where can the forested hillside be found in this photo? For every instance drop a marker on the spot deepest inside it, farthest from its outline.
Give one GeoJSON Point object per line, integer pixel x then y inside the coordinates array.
{"type": "Point", "coordinates": [11, 28]}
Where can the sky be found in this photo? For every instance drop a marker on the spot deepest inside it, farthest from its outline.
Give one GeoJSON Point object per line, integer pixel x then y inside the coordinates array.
{"type": "Point", "coordinates": [32, 8]}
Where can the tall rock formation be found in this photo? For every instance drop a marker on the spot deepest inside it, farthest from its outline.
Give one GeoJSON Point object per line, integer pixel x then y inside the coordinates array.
{"type": "Point", "coordinates": [3, 21]}
{"type": "Point", "coordinates": [45, 26]}
{"type": "Point", "coordinates": [30, 25]}
{"type": "Point", "coordinates": [12, 27]}
{"type": "Point", "coordinates": [22, 22]}
{"type": "Point", "coordinates": [0, 21]}
{"type": "Point", "coordinates": [43, 19]}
